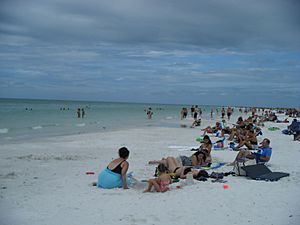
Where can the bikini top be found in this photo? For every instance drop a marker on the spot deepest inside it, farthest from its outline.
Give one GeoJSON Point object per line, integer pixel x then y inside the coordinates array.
{"type": "Point", "coordinates": [118, 168]}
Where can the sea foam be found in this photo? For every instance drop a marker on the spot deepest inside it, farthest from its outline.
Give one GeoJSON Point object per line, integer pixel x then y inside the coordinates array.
{"type": "Point", "coordinates": [37, 127]}
{"type": "Point", "coordinates": [3, 131]}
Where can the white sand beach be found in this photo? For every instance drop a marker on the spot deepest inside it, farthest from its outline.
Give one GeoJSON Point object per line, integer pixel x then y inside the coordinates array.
{"type": "Point", "coordinates": [45, 182]}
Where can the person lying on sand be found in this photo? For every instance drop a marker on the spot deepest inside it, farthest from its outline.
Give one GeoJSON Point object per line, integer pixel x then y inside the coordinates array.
{"type": "Point", "coordinates": [200, 158]}
{"type": "Point", "coordinates": [174, 166]}
{"type": "Point", "coordinates": [212, 130]}
{"type": "Point", "coordinates": [180, 164]}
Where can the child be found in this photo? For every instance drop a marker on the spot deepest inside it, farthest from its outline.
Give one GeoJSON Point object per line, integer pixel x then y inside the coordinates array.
{"type": "Point", "coordinates": [160, 184]}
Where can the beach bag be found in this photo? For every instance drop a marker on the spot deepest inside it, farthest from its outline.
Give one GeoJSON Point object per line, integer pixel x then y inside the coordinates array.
{"type": "Point", "coordinates": [237, 167]}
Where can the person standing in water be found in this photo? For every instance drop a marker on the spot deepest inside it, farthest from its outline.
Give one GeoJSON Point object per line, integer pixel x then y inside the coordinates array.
{"type": "Point", "coordinates": [82, 113]}
{"type": "Point", "coordinates": [78, 113]}
{"type": "Point", "coordinates": [149, 113]}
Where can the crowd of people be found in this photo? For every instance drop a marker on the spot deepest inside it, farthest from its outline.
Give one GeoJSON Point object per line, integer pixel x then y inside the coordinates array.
{"type": "Point", "coordinates": [242, 137]}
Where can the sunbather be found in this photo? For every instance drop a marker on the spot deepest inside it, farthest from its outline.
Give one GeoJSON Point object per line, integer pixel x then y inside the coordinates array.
{"type": "Point", "coordinates": [196, 123]}
{"type": "Point", "coordinates": [179, 164]}
{"type": "Point", "coordinates": [197, 159]}
{"type": "Point", "coordinates": [212, 130]}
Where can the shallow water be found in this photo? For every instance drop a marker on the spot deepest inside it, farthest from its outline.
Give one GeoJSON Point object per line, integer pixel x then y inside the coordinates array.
{"type": "Point", "coordinates": [29, 119]}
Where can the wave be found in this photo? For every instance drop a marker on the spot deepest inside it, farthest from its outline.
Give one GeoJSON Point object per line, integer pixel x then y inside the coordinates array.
{"type": "Point", "coordinates": [37, 127]}
{"type": "Point", "coordinates": [80, 124]}
{"type": "Point", "coordinates": [44, 126]}
{"type": "Point", "coordinates": [51, 125]}
{"type": "Point", "coordinates": [3, 130]}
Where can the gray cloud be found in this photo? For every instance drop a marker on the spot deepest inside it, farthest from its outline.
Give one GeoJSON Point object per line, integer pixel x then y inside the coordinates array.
{"type": "Point", "coordinates": [217, 24]}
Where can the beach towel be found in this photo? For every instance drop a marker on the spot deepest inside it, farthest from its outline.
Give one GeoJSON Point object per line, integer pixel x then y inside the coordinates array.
{"type": "Point", "coordinates": [212, 167]}
{"type": "Point", "coordinates": [273, 128]}
{"type": "Point", "coordinates": [108, 179]}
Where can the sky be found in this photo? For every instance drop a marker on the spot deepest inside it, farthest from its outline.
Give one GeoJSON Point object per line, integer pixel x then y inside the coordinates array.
{"type": "Point", "coordinates": [225, 52]}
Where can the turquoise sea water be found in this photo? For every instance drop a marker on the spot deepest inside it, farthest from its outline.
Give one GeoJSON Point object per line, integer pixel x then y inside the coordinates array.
{"type": "Point", "coordinates": [22, 119]}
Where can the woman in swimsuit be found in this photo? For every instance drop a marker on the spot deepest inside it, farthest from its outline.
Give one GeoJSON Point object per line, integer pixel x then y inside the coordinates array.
{"type": "Point", "coordinates": [199, 159]}
{"type": "Point", "coordinates": [205, 148]}
{"type": "Point", "coordinates": [181, 165]}
{"type": "Point", "coordinates": [115, 174]}
{"type": "Point", "coordinates": [212, 130]}
{"type": "Point", "coordinates": [177, 165]}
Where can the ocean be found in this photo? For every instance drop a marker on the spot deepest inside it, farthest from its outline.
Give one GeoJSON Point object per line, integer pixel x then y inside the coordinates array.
{"type": "Point", "coordinates": [23, 119]}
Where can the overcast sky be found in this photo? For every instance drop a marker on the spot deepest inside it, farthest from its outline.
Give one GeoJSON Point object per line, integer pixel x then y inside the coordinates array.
{"type": "Point", "coordinates": [225, 52]}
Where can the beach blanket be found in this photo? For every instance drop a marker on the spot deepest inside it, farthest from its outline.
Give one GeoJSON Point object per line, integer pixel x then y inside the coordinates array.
{"type": "Point", "coordinates": [212, 167]}
{"type": "Point", "coordinates": [108, 179]}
